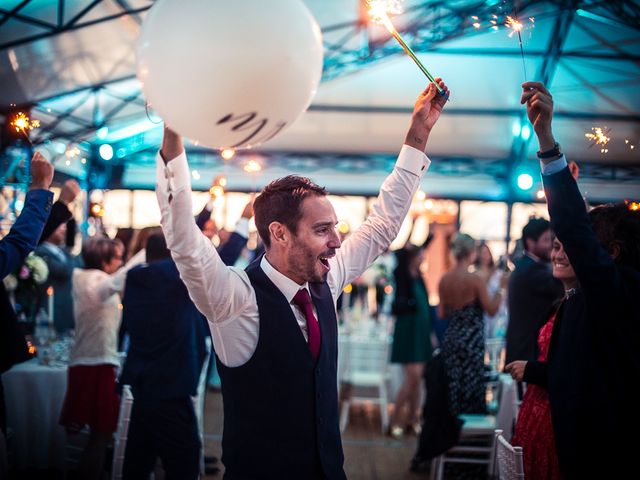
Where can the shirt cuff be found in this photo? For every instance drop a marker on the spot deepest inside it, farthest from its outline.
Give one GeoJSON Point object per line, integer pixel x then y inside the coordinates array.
{"type": "Point", "coordinates": [242, 227]}
{"type": "Point", "coordinates": [553, 167]}
{"type": "Point", "coordinates": [413, 160]}
{"type": "Point", "coordinates": [174, 176]}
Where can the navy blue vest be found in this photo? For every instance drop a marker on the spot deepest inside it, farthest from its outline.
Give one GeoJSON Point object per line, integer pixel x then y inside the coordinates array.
{"type": "Point", "coordinates": [281, 407]}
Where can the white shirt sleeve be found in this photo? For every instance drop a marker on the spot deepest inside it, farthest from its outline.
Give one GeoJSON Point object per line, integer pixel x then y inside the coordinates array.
{"type": "Point", "coordinates": [554, 166]}
{"type": "Point", "coordinates": [382, 225]}
{"type": "Point", "coordinates": [219, 292]}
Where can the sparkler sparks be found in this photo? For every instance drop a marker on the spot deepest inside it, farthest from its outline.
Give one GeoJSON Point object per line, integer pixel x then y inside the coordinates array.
{"type": "Point", "coordinates": [22, 123]}
{"type": "Point", "coordinates": [514, 24]}
{"type": "Point", "coordinates": [599, 136]}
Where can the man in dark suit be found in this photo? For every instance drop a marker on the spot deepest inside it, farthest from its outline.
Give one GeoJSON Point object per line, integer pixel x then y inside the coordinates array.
{"type": "Point", "coordinates": [60, 262]}
{"type": "Point", "coordinates": [21, 240]}
{"type": "Point", "coordinates": [532, 291]}
{"type": "Point", "coordinates": [167, 348]}
{"type": "Point", "coordinates": [593, 364]}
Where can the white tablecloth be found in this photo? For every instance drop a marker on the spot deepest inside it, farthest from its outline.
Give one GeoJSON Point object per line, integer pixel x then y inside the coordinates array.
{"type": "Point", "coordinates": [34, 395]}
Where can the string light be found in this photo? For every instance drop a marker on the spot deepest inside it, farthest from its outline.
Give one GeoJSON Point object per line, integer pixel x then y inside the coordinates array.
{"type": "Point", "coordinates": [228, 153]}
{"type": "Point", "coordinates": [252, 166]}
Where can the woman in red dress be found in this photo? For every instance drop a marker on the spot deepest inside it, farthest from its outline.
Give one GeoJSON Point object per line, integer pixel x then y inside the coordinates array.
{"type": "Point", "coordinates": [534, 430]}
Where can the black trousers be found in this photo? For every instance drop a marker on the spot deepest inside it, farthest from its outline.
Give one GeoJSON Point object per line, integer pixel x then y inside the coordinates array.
{"type": "Point", "coordinates": [165, 429]}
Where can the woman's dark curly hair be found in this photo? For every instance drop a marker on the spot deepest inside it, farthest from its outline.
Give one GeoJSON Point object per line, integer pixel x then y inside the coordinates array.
{"type": "Point", "coordinates": [618, 225]}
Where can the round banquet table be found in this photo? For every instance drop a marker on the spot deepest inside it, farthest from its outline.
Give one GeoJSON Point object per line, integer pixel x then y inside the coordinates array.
{"type": "Point", "coordinates": [34, 395]}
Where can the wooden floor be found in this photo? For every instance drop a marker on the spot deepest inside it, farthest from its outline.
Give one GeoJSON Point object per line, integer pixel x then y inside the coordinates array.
{"type": "Point", "coordinates": [369, 455]}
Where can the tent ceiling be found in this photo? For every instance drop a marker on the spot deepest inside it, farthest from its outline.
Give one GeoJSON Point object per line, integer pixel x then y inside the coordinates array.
{"type": "Point", "coordinates": [74, 63]}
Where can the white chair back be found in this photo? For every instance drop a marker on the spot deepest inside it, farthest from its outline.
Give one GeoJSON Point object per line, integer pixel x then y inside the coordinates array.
{"type": "Point", "coordinates": [126, 403]}
{"type": "Point", "coordinates": [366, 365]}
{"type": "Point", "coordinates": [509, 459]}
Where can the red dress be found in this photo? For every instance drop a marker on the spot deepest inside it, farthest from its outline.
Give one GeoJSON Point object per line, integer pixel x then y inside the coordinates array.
{"type": "Point", "coordinates": [534, 431]}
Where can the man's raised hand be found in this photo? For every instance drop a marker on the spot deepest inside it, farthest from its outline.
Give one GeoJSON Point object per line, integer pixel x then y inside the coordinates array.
{"type": "Point", "coordinates": [41, 172]}
{"type": "Point", "coordinates": [69, 192]}
{"type": "Point", "coordinates": [426, 113]}
{"type": "Point", "coordinates": [540, 112]}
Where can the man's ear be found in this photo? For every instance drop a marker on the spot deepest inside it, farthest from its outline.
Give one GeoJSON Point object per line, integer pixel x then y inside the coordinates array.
{"type": "Point", "coordinates": [614, 250]}
{"type": "Point", "coordinates": [278, 232]}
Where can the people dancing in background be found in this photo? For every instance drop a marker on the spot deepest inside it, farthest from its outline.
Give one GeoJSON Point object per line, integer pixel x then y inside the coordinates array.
{"type": "Point", "coordinates": [455, 377]}
{"type": "Point", "coordinates": [463, 300]}
{"type": "Point", "coordinates": [593, 363]}
{"type": "Point", "coordinates": [411, 337]}
{"type": "Point", "coordinates": [91, 397]}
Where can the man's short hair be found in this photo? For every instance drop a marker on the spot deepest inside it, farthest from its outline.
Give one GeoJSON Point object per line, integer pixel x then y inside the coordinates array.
{"type": "Point", "coordinates": [534, 229]}
{"type": "Point", "coordinates": [157, 248]}
{"type": "Point", "coordinates": [280, 201]}
{"type": "Point", "coordinates": [619, 225]}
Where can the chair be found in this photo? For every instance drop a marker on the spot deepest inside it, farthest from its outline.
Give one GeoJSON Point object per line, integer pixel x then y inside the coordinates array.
{"type": "Point", "coordinates": [477, 440]}
{"type": "Point", "coordinates": [126, 402]}
{"type": "Point", "coordinates": [508, 458]}
{"type": "Point", "coordinates": [366, 366]}
{"type": "Point", "coordinates": [494, 354]}
{"type": "Point", "coordinates": [198, 401]}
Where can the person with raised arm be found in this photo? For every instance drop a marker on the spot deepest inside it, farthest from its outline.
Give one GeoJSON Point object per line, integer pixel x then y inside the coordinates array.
{"type": "Point", "coordinates": [274, 324]}
{"type": "Point", "coordinates": [14, 248]}
{"type": "Point", "coordinates": [593, 362]}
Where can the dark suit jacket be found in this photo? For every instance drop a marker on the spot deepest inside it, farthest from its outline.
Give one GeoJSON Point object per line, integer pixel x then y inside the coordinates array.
{"type": "Point", "coordinates": [61, 264]}
{"type": "Point", "coordinates": [22, 238]}
{"type": "Point", "coordinates": [166, 331]}
{"type": "Point", "coordinates": [532, 291]}
{"type": "Point", "coordinates": [593, 367]}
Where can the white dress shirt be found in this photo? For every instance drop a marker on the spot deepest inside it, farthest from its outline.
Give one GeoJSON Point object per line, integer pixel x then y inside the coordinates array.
{"type": "Point", "coordinates": [225, 295]}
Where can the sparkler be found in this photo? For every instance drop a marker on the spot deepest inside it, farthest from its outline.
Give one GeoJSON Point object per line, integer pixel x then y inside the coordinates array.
{"type": "Point", "coordinates": [379, 11]}
{"type": "Point", "coordinates": [22, 123]}
{"type": "Point", "coordinates": [516, 27]}
{"type": "Point", "coordinates": [599, 137]}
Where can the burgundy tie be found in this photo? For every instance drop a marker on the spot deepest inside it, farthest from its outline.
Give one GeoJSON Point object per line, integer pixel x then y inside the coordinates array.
{"type": "Point", "coordinates": [303, 300]}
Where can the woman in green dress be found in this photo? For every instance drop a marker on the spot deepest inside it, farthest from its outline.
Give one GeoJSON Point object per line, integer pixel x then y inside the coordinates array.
{"type": "Point", "coordinates": [411, 338]}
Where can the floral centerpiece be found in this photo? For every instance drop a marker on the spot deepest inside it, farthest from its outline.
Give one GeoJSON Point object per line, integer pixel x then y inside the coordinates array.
{"type": "Point", "coordinates": [24, 285]}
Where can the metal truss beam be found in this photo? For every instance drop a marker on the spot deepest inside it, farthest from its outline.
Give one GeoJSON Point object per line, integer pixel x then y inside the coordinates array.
{"type": "Point", "coordinates": [62, 26]}
{"type": "Point", "coordinates": [496, 112]}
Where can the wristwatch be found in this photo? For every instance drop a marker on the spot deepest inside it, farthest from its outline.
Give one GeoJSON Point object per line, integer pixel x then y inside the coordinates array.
{"type": "Point", "coordinates": [554, 152]}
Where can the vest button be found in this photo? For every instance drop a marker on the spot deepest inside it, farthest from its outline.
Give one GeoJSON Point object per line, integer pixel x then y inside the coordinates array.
{"type": "Point", "coordinates": [318, 395]}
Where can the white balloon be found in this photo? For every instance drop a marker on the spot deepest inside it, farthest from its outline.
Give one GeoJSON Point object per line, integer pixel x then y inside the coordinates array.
{"type": "Point", "coordinates": [229, 73]}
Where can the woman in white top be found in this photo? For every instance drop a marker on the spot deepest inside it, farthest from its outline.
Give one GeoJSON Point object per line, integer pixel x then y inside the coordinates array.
{"type": "Point", "coordinates": [91, 397]}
